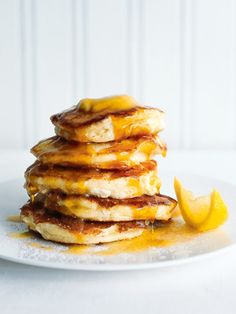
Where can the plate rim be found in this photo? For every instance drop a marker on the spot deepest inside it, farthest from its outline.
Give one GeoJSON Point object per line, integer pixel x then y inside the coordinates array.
{"type": "Point", "coordinates": [119, 267]}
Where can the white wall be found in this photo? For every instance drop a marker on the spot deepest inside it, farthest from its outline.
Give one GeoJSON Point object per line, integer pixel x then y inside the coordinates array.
{"type": "Point", "coordinates": [179, 55]}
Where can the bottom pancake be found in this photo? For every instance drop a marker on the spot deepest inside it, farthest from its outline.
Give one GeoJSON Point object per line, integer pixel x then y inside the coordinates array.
{"type": "Point", "coordinates": [145, 207]}
{"type": "Point", "coordinates": [59, 228]}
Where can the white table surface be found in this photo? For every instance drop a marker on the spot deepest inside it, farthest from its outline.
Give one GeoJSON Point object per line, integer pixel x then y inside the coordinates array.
{"type": "Point", "coordinates": [208, 286]}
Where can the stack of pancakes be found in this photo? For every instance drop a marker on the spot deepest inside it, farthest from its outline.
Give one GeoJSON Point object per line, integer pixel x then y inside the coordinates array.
{"type": "Point", "coordinates": [95, 181]}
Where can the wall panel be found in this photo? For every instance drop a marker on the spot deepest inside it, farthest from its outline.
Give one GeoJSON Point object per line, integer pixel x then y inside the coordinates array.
{"type": "Point", "coordinates": [161, 62]}
{"type": "Point", "coordinates": [106, 47]}
{"type": "Point", "coordinates": [54, 68]}
{"type": "Point", "coordinates": [213, 104]}
{"type": "Point", "coordinates": [11, 106]}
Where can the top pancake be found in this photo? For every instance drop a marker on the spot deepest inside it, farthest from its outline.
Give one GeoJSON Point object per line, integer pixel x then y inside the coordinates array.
{"type": "Point", "coordinates": [107, 125]}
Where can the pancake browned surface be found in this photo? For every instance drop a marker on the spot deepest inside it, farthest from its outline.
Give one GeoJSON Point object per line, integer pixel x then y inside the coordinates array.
{"type": "Point", "coordinates": [108, 124]}
{"type": "Point", "coordinates": [112, 155]}
{"type": "Point", "coordinates": [133, 182]}
{"type": "Point", "coordinates": [156, 207]}
{"type": "Point", "coordinates": [64, 229]}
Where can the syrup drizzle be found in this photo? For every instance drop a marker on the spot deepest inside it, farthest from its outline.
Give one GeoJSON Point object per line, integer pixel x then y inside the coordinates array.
{"type": "Point", "coordinates": [40, 246]}
{"type": "Point", "coordinates": [14, 218]}
{"type": "Point", "coordinates": [21, 235]}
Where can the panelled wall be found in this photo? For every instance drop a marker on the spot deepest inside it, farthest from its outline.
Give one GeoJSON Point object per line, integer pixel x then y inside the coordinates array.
{"type": "Point", "coordinates": [179, 55]}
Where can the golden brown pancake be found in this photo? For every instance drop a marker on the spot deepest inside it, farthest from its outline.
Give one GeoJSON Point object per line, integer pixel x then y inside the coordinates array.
{"type": "Point", "coordinates": [59, 228]}
{"type": "Point", "coordinates": [133, 182]}
{"type": "Point", "coordinates": [107, 125]}
{"type": "Point", "coordinates": [112, 155]}
{"type": "Point", "coordinates": [145, 207]}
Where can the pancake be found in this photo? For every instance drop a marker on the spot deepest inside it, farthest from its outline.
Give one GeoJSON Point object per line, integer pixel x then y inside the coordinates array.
{"type": "Point", "coordinates": [112, 155]}
{"type": "Point", "coordinates": [156, 207]}
{"type": "Point", "coordinates": [133, 182]}
{"type": "Point", "coordinates": [107, 125]}
{"type": "Point", "coordinates": [64, 229]}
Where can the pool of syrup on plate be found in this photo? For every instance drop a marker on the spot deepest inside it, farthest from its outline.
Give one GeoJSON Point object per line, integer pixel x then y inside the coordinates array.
{"type": "Point", "coordinates": [164, 235]}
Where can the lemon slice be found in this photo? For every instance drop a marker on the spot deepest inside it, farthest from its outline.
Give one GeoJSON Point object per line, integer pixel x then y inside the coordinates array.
{"type": "Point", "coordinates": [202, 213]}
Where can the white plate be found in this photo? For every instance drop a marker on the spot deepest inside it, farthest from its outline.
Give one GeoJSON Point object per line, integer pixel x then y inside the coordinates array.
{"type": "Point", "coordinates": [12, 196]}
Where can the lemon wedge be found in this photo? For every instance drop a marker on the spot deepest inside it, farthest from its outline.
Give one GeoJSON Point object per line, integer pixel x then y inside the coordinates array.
{"type": "Point", "coordinates": [202, 213]}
